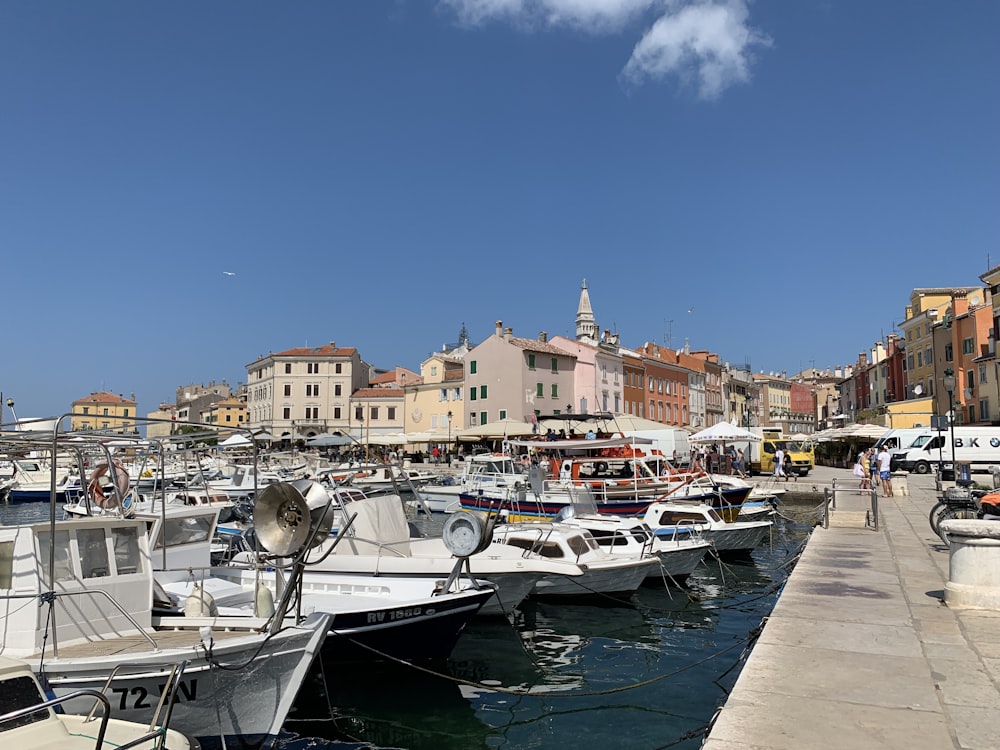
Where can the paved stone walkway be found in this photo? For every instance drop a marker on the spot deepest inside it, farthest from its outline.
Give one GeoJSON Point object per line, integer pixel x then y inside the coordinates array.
{"type": "Point", "coordinates": [861, 651]}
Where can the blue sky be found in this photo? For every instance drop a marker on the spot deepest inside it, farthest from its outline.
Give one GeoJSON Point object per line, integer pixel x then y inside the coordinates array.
{"type": "Point", "coordinates": [766, 180]}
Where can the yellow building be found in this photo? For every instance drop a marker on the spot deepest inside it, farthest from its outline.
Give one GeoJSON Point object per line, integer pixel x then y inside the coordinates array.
{"type": "Point", "coordinates": [106, 412]}
{"type": "Point", "coordinates": [228, 413]}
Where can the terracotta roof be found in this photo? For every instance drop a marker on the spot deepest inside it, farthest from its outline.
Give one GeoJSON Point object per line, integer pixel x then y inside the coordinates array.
{"type": "Point", "coordinates": [317, 351]}
{"type": "Point", "coordinates": [104, 397]}
{"type": "Point", "coordinates": [535, 345]}
{"type": "Point", "coordinates": [377, 393]}
{"type": "Point", "coordinates": [388, 377]}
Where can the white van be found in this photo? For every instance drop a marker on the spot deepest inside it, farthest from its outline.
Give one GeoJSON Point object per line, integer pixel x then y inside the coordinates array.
{"type": "Point", "coordinates": [904, 439]}
{"type": "Point", "coordinates": [977, 446]}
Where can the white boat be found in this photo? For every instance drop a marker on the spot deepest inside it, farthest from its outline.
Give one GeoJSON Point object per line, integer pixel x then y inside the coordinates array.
{"type": "Point", "coordinates": [604, 573]}
{"type": "Point", "coordinates": [621, 535]}
{"type": "Point", "coordinates": [95, 631]}
{"type": "Point", "coordinates": [378, 543]}
{"type": "Point", "coordinates": [408, 618]}
{"type": "Point", "coordinates": [32, 478]}
{"type": "Point", "coordinates": [670, 519]}
{"type": "Point", "coordinates": [28, 719]}
{"type": "Point", "coordinates": [487, 473]}
{"type": "Point", "coordinates": [246, 481]}
{"type": "Point", "coordinates": [373, 478]}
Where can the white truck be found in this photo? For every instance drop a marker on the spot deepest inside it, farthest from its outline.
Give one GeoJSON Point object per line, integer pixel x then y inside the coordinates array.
{"type": "Point", "coordinates": [667, 441]}
{"type": "Point", "coordinates": [977, 446]}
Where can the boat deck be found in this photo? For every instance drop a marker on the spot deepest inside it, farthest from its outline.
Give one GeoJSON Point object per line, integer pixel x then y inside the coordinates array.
{"type": "Point", "coordinates": [167, 638]}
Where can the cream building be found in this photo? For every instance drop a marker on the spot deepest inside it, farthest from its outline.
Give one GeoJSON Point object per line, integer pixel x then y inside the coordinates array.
{"type": "Point", "coordinates": [306, 391]}
{"type": "Point", "coordinates": [436, 404]}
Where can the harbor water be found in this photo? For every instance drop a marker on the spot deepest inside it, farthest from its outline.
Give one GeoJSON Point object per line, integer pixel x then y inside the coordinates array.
{"type": "Point", "coordinates": [644, 673]}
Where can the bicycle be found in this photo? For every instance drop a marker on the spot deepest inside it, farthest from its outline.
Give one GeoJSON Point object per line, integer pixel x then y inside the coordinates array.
{"type": "Point", "coordinates": [959, 503]}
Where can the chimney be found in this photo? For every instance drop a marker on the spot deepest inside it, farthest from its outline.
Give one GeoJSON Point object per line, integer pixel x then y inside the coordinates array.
{"type": "Point", "coordinates": [333, 344]}
{"type": "Point", "coordinates": [959, 304]}
{"type": "Point", "coordinates": [543, 336]}
{"type": "Point", "coordinates": [507, 333]}
{"type": "Point", "coordinates": [499, 328]}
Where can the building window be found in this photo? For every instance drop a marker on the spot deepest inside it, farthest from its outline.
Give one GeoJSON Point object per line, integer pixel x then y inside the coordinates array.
{"type": "Point", "coordinates": [482, 418]}
{"type": "Point", "coordinates": [390, 413]}
{"type": "Point", "coordinates": [482, 392]}
{"type": "Point", "coordinates": [337, 389]}
{"type": "Point", "coordinates": [288, 389]}
{"type": "Point", "coordinates": [555, 364]}
{"type": "Point", "coordinates": [531, 361]}
{"type": "Point", "coordinates": [457, 394]}
{"type": "Point", "coordinates": [652, 384]}
{"type": "Point", "coordinates": [434, 371]}
{"type": "Point", "coordinates": [443, 394]}
{"type": "Point", "coordinates": [472, 367]}
{"type": "Point", "coordinates": [967, 346]}
{"type": "Point", "coordinates": [374, 414]}
{"type": "Point", "coordinates": [539, 390]}
{"type": "Point", "coordinates": [286, 413]}
{"type": "Point", "coordinates": [359, 413]}
{"type": "Point", "coordinates": [336, 412]}
{"type": "Point", "coordinates": [338, 368]}
{"type": "Point", "coordinates": [312, 368]}
{"type": "Point", "coordinates": [949, 355]}
{"type": "Point", "coordinates": [555, 390]}
{"type": "Point", "coordinates": [472, 393]}
{"type": "Point", "coordinates": [982, 376]}
{"type": "Point", "coordinates": [503, 414]}
{"type": "Point", "coordinates": [984, 410]}
{"type": "Point", "coordinates": [288, 368]}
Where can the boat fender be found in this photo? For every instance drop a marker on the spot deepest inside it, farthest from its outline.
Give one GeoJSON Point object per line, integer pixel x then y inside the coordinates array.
{"type": "Point", "coordinates": [263, 601]}
{"type": "Point", "coordinates": [200, 603]}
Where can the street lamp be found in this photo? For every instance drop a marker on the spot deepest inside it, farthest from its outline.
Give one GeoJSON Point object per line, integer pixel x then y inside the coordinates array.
{"type": "Point", "coordinates": [10, 405]}
{"type": "Point", "coordinates": [449, 437]}
{"type": "Point", "coordinates": [949, 385]}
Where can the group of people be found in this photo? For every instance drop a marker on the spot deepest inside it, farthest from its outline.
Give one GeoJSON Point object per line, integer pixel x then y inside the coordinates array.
{"type": "Point", "coordinates": [873, 468]}
{"type": "Point", "coordinates": [708, 458]}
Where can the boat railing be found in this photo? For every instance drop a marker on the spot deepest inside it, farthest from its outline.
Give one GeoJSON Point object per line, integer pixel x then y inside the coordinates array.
{"type": "Point", "coordinates": [49, 597]}
{"type": "Point", "coordinates": [684, 528]}
{"type": "Point", "coordinates": [164, 707]}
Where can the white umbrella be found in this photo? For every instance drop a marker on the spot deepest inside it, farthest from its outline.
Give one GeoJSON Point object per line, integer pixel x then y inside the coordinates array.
{"type": "Point", "coordinates": [724, 432]}
{"type": "Point", "coordinates": [501, 429]}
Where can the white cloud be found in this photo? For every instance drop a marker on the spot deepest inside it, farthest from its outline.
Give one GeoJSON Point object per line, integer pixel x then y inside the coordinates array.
{"type": "Point", "coordinates": [707, 40]}
{"type": "Point", "coordinates": [594, 16]}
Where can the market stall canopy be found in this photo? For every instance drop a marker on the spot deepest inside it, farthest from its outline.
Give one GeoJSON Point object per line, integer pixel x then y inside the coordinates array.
{"type": "Point", "coordinates": [724, 432]}
{"type": "Point", "coordinates": [388, 438]}
{"type": "Point", "coordinates": [328, 441]}
{"type": "Point", "coordinates": [236, 441]}
{"type": "Point", "coordinates": [496, 430]}
{"type": "Point", "coordinates": [264, 437]}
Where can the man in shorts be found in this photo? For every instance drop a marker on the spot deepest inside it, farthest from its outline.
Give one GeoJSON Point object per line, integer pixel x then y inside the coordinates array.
{"type": "Point", "coordinates": [779, 464]}
{"type": "Point", "coordinates": [884, 461]}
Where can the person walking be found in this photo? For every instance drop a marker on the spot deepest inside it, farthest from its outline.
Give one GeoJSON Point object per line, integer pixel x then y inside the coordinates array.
{"type": "Point", "coordinates": [872, 468]}
{"type": "Point", "coordinates": [779, 463]}
{"type": "Point", "coordinates": [861, 471]}
{"type": "Point", "coordinates": [885, 472]}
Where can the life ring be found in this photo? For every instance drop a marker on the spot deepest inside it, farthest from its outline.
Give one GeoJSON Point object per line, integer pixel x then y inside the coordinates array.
{"type": "Point", "coordinates": [118, 477]}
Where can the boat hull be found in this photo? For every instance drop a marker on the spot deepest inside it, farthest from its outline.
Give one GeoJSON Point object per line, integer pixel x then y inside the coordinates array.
{"type": "Point", "coordinates": [241, 691]}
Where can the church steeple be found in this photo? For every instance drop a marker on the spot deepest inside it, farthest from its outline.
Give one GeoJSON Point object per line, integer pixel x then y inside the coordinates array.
{"type": "Point", "coordinates": [586, 326]}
